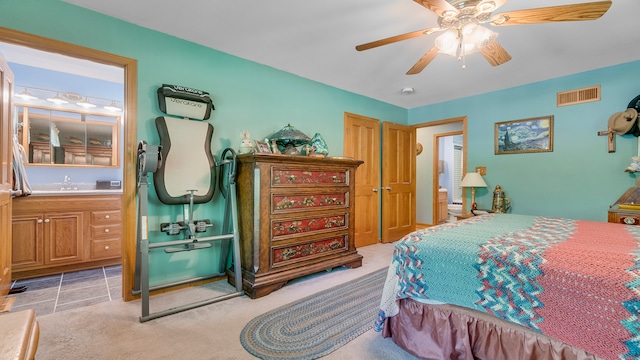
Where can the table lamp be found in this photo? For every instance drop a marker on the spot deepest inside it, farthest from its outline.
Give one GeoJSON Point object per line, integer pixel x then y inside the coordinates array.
{"type": "Point", "coordinates": [473, 180]}
{"type": "Point", "coordinates": [289, 137]}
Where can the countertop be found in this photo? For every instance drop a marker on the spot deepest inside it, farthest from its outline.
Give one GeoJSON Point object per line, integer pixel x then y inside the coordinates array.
{"type": "Point", "coordinates": [58, 189]}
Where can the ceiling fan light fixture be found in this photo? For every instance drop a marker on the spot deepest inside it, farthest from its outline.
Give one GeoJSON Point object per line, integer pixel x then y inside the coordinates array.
{"type": "Point", "coordinates": [480, 37]}
{"type": "Point", "coordinates": [447, 43]}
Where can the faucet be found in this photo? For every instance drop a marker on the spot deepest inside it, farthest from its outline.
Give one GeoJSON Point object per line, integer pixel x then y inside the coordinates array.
{"type": "Point", "coordinates": [67, 185]}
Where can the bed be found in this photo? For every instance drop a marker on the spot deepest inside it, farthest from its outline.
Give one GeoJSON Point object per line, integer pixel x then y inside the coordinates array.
{"type": "Point", "coordinates": [507, 286]}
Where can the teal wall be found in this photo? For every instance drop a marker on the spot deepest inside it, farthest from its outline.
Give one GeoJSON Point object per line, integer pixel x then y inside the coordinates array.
{"type": "Point", "coordinates": [246, 95]}
{"type": "Point", "coordinates": [579, 179]}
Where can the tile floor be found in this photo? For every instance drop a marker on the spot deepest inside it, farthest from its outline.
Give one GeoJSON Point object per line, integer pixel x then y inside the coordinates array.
{"type": "Point", "coordinates": [55, 293]}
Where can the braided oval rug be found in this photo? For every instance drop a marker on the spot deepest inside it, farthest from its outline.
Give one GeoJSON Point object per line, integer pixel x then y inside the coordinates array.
{"type": "Point", "coordinates": [316, 325]}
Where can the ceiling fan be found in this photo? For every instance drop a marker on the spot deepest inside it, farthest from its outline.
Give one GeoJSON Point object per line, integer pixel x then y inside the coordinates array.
{"type": "Point", "coordinates": [461, 21]}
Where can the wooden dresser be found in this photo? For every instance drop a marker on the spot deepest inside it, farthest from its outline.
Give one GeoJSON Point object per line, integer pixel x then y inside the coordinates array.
{"type": "Point", "coordinates": [296, 217]}
{"type": "Point", "coordinates": [626, 210]}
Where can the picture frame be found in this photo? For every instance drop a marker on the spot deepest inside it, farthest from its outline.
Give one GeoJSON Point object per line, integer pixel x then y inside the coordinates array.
{"type": "Point", "coordinates": [524, 136]}
{"type": "Point", "coordinates": [262, 147]}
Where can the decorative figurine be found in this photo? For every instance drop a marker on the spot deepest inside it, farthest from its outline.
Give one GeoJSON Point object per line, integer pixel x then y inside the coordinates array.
{"type": "Point", "coordinates": [246, 146]}
{"type": "Point", "coordinates": [274, 147]}
{"type": "Point", "coordinates": [319, 145]}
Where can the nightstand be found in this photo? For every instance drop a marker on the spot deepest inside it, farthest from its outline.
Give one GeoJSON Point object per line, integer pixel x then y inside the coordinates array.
{"type": "Point", "coordinates": [626, 209]}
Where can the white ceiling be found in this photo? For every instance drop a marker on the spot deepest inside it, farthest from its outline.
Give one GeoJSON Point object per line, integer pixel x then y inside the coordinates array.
{"type": "Point", "coordinates": [316, 40]}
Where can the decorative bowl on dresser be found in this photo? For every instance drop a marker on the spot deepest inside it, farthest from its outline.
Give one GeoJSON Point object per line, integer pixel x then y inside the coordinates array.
{"type": "Point", "coordinates": [296, 217]}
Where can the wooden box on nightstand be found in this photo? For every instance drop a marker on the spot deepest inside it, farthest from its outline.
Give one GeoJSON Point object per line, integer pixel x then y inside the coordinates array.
{"type": "Point", "coordinates": [626, 210]}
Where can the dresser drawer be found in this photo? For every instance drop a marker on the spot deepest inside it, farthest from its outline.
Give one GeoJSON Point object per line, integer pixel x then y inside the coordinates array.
{"type": "Point", "coordinates": [308, 225]}
{"type": "Point", "coordinates": [106, 231]}
{"type": "Point", "coordinates": [102, 249]}
{"type": "Point", "coordinates": [299, 252]}
{"type": "Point", "coordinates": [282, 203]}
{"type": "Point", "coordinates": [289, 177]}
{"type": "Point", "coordinates": [106, 217]}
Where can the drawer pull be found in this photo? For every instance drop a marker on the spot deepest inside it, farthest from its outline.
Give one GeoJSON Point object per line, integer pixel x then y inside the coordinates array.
{"type": "Point", "coordinates": [46, 220]}
{"type": "Point", "coordinates": [106, 230]}
{"type": "Point", "coordinates": [39, 221]}
{"type": "Point", "coordinates": [107, 217]}
{"type": "Point", "coordinates": [106, 247]}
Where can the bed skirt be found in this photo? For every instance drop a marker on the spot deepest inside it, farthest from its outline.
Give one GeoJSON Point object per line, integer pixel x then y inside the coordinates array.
{"type": "Point", "coordinates": [453, 332]}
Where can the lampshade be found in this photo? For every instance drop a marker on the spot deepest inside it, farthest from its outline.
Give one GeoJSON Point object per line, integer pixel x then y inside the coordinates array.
{"type": "Point", "coordinates": [289, 137]}
{"type": "Point", "coordinates": [473, 179]}
{"type": "Point", "coordinates": [469, 38]}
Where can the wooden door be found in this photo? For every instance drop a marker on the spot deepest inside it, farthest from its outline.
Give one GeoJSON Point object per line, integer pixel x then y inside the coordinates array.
{"type": "Point", "coordinates": [362, 142]}
{"type": "Point", "coordinates": [398, 181]}
{"type": "Point", "coordinates": [6, 175]}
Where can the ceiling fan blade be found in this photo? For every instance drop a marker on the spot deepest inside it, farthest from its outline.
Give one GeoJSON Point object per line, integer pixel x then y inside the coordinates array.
{"type": "Point", "coordinates": [424, 61]}
{"type": "Point", "coordinates": [437, 6]}
{"type": "Point", "coordinates": [574, 12]}
{"type": "Point", "coordinates": [393, 39]}
{"type": "Point", "coordinates": [495, 54]}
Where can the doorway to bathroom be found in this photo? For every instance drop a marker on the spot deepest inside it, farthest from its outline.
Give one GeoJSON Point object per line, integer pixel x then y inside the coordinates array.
{"type": "Point", "coordinates": [442, 160]}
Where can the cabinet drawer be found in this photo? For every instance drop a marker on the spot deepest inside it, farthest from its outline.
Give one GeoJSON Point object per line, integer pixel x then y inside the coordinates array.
{"type": "Point", "coordinates": [106, 231]}
{"type": "Point", "coordinates": [101, 249]}
{"type": "Point", "coordinates": [287, 177]}
{"type": "Point", "coordinates": [627, 219]}
{"type": "Point", "coordinates": [287, 254]}
{"type": "Point", "coordinates": [106, 217]}
{"type": "Point", "coordinates": [309, 225]}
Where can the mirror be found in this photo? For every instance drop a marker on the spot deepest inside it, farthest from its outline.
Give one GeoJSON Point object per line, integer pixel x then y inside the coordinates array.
{"type": "Point", "coordinates": [52, 136]}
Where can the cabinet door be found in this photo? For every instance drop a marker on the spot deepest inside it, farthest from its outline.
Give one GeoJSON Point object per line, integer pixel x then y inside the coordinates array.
{"type": "Point", "coordinates": [63, 237]}
{"type": "Point", "coordinates": [27, 250]}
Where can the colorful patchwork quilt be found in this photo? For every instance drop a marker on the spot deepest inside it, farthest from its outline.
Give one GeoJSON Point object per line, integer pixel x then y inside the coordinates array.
{"type": "Point", "coordinates": [574, 280]}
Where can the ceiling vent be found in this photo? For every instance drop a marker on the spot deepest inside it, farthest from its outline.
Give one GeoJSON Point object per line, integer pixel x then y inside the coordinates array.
{"type": "Point", "coordinates": [579, 96]}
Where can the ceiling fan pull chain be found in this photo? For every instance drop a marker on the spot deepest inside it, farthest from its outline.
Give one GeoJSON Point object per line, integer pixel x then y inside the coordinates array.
{"type": "Point", "coordinates": [461, 46]}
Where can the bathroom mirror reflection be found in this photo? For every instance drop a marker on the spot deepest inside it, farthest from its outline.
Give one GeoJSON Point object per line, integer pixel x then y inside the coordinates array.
{"type": "Point", "coordinates": [67, 138]}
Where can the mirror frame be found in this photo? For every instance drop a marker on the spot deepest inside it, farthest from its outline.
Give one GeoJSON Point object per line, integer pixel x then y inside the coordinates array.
{"type": "Point", "coordinates": [115, 126]}
{"type": "Point", "coordinates": [130, 67]}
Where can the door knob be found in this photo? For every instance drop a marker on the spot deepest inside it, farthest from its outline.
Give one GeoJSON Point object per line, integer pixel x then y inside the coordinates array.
{"type": "Point", "coordinates": [375, 189]}
{"type": "Point", "coordinates": [387, 187]}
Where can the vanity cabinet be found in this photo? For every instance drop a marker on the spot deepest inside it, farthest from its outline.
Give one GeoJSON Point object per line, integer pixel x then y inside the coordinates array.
{"type": "Point", "coordinates": [53, 234]}
{"type": "Point", "coordinates": [296, 217]}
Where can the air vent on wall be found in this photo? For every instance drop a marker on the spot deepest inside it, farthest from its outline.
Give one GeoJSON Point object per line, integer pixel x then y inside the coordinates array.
{"type": "Point", "coordinates": [579, 96]}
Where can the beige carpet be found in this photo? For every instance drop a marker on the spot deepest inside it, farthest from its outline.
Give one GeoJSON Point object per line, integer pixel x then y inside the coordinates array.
{"type": "Point", "coordinates": [113, 331]}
